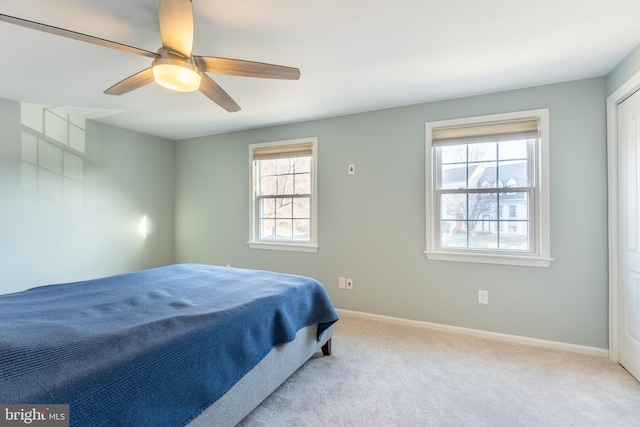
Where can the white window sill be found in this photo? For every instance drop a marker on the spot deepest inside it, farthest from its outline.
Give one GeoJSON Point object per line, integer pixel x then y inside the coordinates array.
{"type": "Point", "coordinates": [523, 260]}
{"type": "Point", "coordinates": [303, 247]}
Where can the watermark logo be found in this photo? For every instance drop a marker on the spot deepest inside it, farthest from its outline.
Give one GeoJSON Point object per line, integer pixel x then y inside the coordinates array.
{"type": "Point", "coordinates": [34, 415]}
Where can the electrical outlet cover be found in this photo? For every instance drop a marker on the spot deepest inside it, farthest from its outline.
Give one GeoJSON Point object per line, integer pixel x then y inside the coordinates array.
{"type": "Point", "coordinates": [483, 297]}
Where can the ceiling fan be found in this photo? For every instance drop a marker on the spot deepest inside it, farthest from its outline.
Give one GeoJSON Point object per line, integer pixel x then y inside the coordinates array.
{"type": "Point", "coordinates": [174, 66]}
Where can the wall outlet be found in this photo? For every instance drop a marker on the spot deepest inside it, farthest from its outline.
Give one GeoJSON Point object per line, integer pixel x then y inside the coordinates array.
{"type": "Point", "coordinates": [483, 297]}
{"type": "Point", "coordinates": [341, 282]}
{"type": "Point", "coordinates": [349, 283]}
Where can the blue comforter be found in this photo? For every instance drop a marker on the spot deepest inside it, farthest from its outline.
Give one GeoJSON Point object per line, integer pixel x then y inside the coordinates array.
{"type": "Point", "coordinates": [150, 348]}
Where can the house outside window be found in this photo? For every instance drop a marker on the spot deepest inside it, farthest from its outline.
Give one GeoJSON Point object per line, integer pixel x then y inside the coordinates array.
{"type": "Point", "coordinates": [283, 195]}
{"type": "Point", "coordinates": [485, 181]}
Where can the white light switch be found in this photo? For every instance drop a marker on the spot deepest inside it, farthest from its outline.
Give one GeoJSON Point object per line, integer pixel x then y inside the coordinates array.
{"type": "Point", "coordinates": [352, 169]}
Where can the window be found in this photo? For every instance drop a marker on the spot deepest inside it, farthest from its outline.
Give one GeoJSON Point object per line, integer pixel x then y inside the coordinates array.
{"type": "Point", "coordinates": [283, 195]}
{"type": "Point", "coordinates": [487, 189]}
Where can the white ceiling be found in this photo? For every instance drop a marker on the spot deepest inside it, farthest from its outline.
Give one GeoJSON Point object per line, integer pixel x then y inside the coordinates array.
{"type": "Point", "coordinates": [354, 55]}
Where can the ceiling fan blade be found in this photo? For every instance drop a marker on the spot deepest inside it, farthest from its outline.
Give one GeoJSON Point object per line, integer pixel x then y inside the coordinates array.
{"type": "Point", "coordinates": [176, 26]}
{"type": "Point", "coordinates": [133, 82]}
{"type": "Point", "coordinates": [75, 35]}
{"type": "Point", "coordinates": [215, 93]}
{"type": "Point", "coordinates": [238, 67]}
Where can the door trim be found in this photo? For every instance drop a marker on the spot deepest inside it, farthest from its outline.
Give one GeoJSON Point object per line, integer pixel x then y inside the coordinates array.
{"type": "Point", "coordinates": [622, 93]}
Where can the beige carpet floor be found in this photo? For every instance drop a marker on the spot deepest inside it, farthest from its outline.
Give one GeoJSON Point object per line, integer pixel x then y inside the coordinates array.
{"type": "Point", "coordinates": [383, 374]}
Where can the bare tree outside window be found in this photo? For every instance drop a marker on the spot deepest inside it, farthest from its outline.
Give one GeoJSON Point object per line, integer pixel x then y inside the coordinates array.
{"type": "Point", "coordinates": [284, 199]}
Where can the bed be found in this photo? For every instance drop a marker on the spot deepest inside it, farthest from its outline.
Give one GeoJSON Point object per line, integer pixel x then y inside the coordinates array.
{"type": "Point", "coordinates": [186, 344]}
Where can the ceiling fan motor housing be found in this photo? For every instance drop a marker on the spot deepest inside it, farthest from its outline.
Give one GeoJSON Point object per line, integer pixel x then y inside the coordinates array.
{"type": "Point", "coordinates": [174, 71]}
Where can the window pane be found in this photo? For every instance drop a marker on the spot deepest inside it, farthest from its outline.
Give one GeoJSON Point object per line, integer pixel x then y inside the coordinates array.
{"type": "Point", "coordinates": [483, 152]}
{"type": "Point", "coordinates": [513, 173]}
{"type": "Point", "coordinates": [514, 235]}
{"type": "Point", "coordinates": [284, 166]}
{"type": "Point", "coordinates": [512, 150]}
{"type": "Point", "coordinates": [284, 229]}
{"type": "Point", "coordinates": [267, 208]}
{"type": "Point", "coordinates": [453, 177]}
{"type": "Point", "coordinates": [483, 239]}
{"type": "Point", "coordinates": [268, 229]}
{"type": "Point", "coordinates": [486, 226]}
{"type": "Point", "coordinates": [285, 184]}
{"type": "Point", "coordinates": [301, 207]}
{"type": "Point", "coordinates": [293, 165]}
{"type": "Point", "coordinates": [303, 183]}
{"type": "Point", "coordinates": [268, 186]}
{"type": "Point", "coordinates": [301, 230]}
{"type": "Point", "coordinates": [514, 205]}
{"type": "Point", "coordinates": [482, 175]}
{"type": "Point", "coordinates": [453, 154]}
{"type": "Point", "coordinates": [453, 234]}
{"type": "Point", "coordinates": [482, 206]}
{"type": "Point", "coordinates": [453, 206]}
{"type": "Point", "coordinates": [302, 164]}
{"type": "Point", "coordinates": [269, 167]}
{"type": "Point", "coordinates": [284, 208]}
{"type": "Point", "coordinates": [483, 225]}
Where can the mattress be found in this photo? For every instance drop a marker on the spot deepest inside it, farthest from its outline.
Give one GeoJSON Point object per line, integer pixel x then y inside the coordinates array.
{"type": "Point", "coordinates": [281, 362]}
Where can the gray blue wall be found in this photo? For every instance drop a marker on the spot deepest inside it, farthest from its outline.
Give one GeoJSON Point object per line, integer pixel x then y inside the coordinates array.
{"type": "Point", "coordinates": [48, 235]}
{"type": "Point", "coordinates": [372, 225]}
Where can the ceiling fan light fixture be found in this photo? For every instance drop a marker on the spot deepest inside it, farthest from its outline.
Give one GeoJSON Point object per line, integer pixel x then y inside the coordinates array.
{"type": "Point", "coordinates": [176, 74]}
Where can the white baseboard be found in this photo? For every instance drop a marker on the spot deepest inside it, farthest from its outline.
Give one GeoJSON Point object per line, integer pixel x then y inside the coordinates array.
{"type": "Point", "coordinates": [555, 345]}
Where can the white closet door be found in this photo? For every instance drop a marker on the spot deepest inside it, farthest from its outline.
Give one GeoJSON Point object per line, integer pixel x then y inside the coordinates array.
{"type": "Point", "coordinates": [629, 223]}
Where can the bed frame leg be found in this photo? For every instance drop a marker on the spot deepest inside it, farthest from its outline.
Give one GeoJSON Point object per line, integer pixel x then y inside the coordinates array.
{"type": "Point", "coordinates": [326, 348]}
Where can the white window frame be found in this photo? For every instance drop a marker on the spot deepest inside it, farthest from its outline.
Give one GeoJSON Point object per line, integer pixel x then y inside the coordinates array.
{"type": "Point", "coordinates": [540, 236]}
{"type": "Point", "coordinates": [288, 245]}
